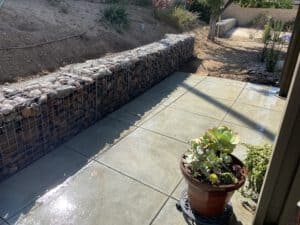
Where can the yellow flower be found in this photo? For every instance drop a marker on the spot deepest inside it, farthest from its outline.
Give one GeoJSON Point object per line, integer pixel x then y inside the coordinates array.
{"type": "Point", "coordinates": [213, 178]}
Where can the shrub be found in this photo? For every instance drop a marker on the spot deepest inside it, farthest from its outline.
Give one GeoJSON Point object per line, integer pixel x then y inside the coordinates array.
{"type": "Point", "coordinates": [272, 56]}
{"type": "Point", "coordinates": [116, 15]}
{"type": "Point", "coordinates": [272, 44]}
{"type": "Point", "coordinates": [285, 4]}
{"type": "Point", "coordinates": [201, 9]}
{"type": "Point", "coordinates": [261, 21]}
{"type": "Point", "coordinates": [177, 17]}
{"type": "Point", "coordinates": [257, 161]}
{"type": "Point", "coordinates": [267, 33]}
{"type": "Point", "coordinates": [289, 26]}
{"type": "Point", "coordinates": [184, 18]}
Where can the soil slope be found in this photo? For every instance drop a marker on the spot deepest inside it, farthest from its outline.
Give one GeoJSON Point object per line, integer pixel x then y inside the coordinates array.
{"type": "Point", "coordinates": [232, 58]}
{"type": "Point", "coordinates": [31, 22]}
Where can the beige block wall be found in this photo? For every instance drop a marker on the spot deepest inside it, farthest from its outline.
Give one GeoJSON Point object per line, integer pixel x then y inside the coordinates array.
{"type": "Point", "coordinates": [246, 15]}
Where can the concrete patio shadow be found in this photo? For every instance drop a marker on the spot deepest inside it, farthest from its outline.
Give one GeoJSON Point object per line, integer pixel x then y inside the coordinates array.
{"type": "Point", "coordinates": [18, 194]}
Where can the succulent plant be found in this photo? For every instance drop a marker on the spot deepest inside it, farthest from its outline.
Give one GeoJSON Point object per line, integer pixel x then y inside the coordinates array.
{"type": "Point", "coordinates": [209, 156]}
{"type": "Point", "coordinates": [221, 139]}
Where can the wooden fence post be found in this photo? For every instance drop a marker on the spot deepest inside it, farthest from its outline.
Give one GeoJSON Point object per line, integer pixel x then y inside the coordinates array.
{"type": "Point", "coordinates": [291, 59]}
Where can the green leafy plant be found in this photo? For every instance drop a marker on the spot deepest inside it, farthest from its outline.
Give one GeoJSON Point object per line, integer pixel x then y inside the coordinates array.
{"type": "Point", "coordinates": [177, 17]}
{"type": "Point", "coordinates": [272, 57]}
{"type": "Point", "coordinates": [267, 33]}
{"type": "Point", "coordinates": [209, 157]}
{"type": "Point", "coordinates": [272, 43]}
{"type": "Point", "coordinates": [266, 38]}
{"type": "Point", "coordinates": [289, 26]}
{"type": "Point", "coordinates": [260, 21]}
{"type": "Point", "coordinates": [116, 15]}
{"type": "Point", "coordinates": [201, 9]}
{"type": "Point", "coordinates": [285, 4]}
{"type": "Point", "coordinates": [257, 161]}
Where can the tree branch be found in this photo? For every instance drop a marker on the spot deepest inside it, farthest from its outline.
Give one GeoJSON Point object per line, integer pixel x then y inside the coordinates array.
{"type": "Point", "coordinates": [228, 3]}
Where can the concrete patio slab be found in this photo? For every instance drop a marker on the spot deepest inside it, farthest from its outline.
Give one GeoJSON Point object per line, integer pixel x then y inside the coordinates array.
{"type": "Point", "coordinates": [35, 180]}
{"type": "Point", "coordinates": [133, 175]}
{"type": "Point", "coordinates": [181, 79]}
{"type": "Point", "coordinates": [161, 94]}
{"type": "Point", "coordinates": [169, 215]}
{"type": "Point", "coordinates": [147, 157]}
{"type": "Point", "coordinates": [180, 188]}
{"type": "Point", "coordinates": [96, 195]}
{"type": "Point", "coordinates": [261, 98]}
{"type": "Point", "coordinates": [262, 88]}
{"type": "Point", "coordinates": [170, 89]}
{"type": "Point", "coordinates": [179, 124]}
{"type": "Point", "coordinates": [255, 117]}
{"type": "Point", "coordinates": [203, 106]}
{"type": "Point", "coordinates": [223, 81]}
{"type": "Point", "coordinates": [136, 119]}
{"type": "Point", "coordinates": [137, 111]}
{"type": "Point", "coordinates": [220, 90]}
{"type": "Point", "coordinates": [99, 137]}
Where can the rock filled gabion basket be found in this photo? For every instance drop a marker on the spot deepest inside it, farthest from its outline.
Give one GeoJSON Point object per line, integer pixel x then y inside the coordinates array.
{"type": "Point", "coordinates": [39, 114]}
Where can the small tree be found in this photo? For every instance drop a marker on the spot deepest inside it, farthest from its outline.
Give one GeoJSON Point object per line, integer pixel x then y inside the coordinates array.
{"type": "Point", "coordinates": [217, 7]}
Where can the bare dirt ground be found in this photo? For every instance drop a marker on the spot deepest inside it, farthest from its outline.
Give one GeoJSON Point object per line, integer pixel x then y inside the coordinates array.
{"type": "Point", "coordinates": [32, 22]}
{"type": "Point", "coordinates": [233, 57]}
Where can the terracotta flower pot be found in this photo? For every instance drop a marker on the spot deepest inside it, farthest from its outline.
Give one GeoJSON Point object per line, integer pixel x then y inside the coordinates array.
{"type": "Point", "coordinates": [210, 200]}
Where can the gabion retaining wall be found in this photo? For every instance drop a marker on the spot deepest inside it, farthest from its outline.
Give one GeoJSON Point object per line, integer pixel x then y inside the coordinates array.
{"type": "Point", "coordinates": [38, 115]}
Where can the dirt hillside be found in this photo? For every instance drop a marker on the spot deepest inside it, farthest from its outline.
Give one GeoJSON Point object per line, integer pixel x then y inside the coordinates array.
{"type": "Point", "coordinates": [31, 22]}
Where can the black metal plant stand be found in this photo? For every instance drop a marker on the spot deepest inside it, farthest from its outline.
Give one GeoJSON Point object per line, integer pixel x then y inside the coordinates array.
{"type": "Point", "coordinates": [193, 218]}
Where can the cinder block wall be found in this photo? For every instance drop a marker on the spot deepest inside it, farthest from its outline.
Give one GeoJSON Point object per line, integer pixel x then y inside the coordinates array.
{"type": "Point", "coordinates": [38, 115]}
{"type": "Point", "coordinates": [245, 16]}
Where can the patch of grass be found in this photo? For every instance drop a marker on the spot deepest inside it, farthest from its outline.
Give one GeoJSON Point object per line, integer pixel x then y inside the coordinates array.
{"type": "Point", "coordinates": [177, 17]}
{"type": "Point", "coordinates": [116, 15]}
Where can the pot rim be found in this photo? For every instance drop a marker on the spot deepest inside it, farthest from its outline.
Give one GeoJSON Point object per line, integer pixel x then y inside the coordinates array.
{"type": "Point", "coordinates": [210, 187]}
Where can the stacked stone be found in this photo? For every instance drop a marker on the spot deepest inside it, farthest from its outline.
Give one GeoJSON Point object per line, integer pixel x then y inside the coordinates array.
{"type": "Point", "coordinates": [38, 115]}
